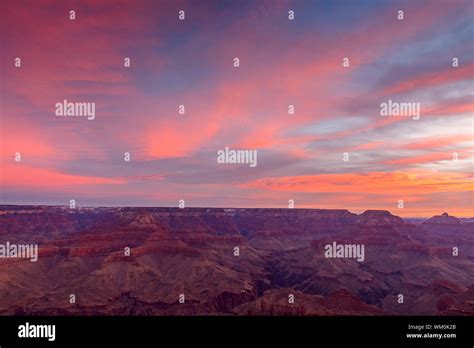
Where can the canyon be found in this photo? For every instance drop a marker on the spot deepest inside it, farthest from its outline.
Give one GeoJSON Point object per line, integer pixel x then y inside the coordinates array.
{"type": "Point", "coordinates": [191, 251]}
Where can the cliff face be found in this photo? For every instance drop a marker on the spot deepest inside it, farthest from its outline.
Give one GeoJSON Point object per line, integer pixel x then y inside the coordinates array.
{"type": "Point", "coordinates": [137, 261]}
{"type": "Point", "coordinates": [379, 217]}
{"type": "Point", "coordinates": [443, 219]}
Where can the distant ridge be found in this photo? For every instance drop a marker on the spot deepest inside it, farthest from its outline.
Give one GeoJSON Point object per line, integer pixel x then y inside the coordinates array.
{"type": "Point", "coordinates": [366, 214]}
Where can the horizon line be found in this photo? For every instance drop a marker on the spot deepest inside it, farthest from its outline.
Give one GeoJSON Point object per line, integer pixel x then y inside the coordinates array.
{"type": "Point", "coordinates": [241, 208]}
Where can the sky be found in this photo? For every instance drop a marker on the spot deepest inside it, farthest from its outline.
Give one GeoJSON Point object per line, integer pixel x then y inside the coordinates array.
{"type": "Point", "coordinates": [282, 62]}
